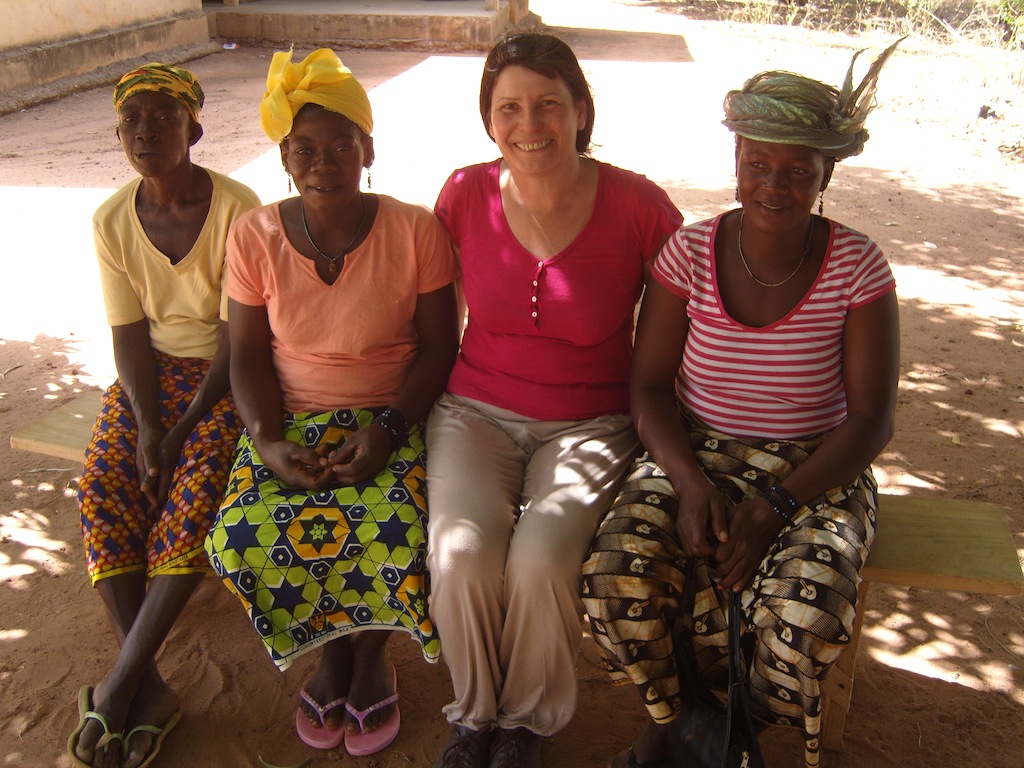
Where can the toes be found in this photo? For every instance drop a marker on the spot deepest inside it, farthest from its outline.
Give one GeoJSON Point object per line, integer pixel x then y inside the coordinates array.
{"type": "Point", "coordinates": [137, 749]}
{"type": "Point", "coordinates": [313, 717]}
{"type": "Point", "coordinates": [372, 722]}
{"type": "Point", "coordinates": [334, 719]}
{"type": "Point", "coordinates": [378, 718]}
{"type": "Point", "coordinates": [85, 749]}
{"type": "Point", "coordinates": [111, 757]}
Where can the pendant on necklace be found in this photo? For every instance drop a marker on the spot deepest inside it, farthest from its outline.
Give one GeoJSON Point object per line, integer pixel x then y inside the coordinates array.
{"type": "Point", "coordinates": [333, 267]}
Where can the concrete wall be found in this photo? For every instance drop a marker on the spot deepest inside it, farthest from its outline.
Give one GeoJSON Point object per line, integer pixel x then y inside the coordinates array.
{"type": "Point", "coordinates": [399, 24]}
{"type": "Point", "coordinates": [50, 47]}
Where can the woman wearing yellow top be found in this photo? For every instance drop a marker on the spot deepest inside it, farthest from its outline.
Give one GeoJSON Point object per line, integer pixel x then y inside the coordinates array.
{"type": "Point", "coordinates": [162, 446]}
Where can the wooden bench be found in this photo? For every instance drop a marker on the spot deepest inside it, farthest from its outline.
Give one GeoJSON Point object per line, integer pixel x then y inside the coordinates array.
{"type": "Point", "coordinates": [64, 432]}
{"type": "Point", "coordinates": [929, 543]}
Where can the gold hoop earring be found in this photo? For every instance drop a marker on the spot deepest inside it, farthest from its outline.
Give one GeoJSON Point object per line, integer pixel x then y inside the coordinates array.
{"type": "Point", "coordinates": [369, 179]}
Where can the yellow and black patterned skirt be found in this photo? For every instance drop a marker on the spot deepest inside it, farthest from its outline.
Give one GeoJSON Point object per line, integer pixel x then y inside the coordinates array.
{"type": "Point", "coordinates": [799, 609]}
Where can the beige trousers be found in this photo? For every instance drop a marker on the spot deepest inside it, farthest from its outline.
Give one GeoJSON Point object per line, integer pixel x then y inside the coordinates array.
{"type": "Point", "coordinates": [513, 506]}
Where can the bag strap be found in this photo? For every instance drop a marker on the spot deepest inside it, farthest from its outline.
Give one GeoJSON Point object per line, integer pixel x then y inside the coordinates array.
{"type": "Point", "coordinates": [740, 732]}
{"type": "Point", "coordinates": [691, 684]}
{"type": "Point", "coordinates": [738, 707]}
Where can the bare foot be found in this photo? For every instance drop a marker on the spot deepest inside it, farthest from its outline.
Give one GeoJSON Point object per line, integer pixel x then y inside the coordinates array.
{"type": "Point", "coordinates": [154, 704]}
{"type": "Point", "coordinates": [114, 710]}
{"type": "Point", "coordinates": [372, 681]}
{"type": "Point", "coordinates": [330, 682]}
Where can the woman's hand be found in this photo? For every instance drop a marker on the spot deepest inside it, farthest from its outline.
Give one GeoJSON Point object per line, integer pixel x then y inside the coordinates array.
{"type": "Point", "coordinates": [753, 527]}
{"type": "Point", "coordinates": [156, 484]}
{"type": "Point", "coordinates": [136, 370]}
{"type": "Point", "coordinates": [148, 464]}
{"type": "Point", "coordinates": [297, 465]}
{"type": "Point", "coordinates": [361, 456]}
{"type": "Point", "coordinates": [702, 518]}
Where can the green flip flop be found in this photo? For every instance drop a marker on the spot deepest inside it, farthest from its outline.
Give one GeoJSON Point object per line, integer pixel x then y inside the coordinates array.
{"type": "Point", "coordinates": [85, 714]}
{"type": "Point", "coordinates": [159, 732]}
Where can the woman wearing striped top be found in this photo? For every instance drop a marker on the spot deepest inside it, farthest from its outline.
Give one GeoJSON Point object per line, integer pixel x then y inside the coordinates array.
{"type": "Point", "coordinates": [764, 383]}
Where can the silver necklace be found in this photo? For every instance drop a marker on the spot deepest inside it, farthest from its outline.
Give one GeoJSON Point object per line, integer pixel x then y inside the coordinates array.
{"type": "Point", "coordinates": [807, 250]}
{"type": "Point", "coordinates": [332, 261]}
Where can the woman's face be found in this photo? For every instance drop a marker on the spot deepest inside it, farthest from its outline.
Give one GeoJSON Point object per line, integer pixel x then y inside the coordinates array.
{"type": "Point", "coordinates": [156, 132]}
{"type": "Point", "coordinates": [779, 183]}
{"type": "Point", "coordinates": [325, 153]}
{"type": "Point", "coordinates": [534, 120]}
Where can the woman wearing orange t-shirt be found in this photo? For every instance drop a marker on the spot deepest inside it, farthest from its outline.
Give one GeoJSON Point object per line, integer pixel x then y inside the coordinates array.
{"type": "Point", "coordinates": [343, 329]}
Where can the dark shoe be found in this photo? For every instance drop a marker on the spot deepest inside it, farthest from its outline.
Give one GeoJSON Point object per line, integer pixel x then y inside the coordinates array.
{"type": "Point", "coordinates": [628, 759]}
{"type": "Point", "coordinates": [518, 748]}
{"type": "Point", "coordinates": [466, 748]}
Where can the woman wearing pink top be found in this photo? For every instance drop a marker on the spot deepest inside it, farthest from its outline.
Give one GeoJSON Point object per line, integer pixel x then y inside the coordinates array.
{"type": "Point", "coordinates": [529, 442]}
{"type": "Point", "coordinates": [764, 385]}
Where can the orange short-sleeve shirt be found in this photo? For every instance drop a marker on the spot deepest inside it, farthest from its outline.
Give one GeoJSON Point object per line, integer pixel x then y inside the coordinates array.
{"type": "Point", "coordinates": [347, 345]}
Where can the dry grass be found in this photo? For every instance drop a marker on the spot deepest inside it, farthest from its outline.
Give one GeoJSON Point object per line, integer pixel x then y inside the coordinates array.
{"type": "Point", "coordinates": [986, 22]}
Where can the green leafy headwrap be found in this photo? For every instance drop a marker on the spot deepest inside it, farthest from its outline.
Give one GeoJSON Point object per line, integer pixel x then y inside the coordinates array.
{"type": "Point", "coordinates": [785, 108]}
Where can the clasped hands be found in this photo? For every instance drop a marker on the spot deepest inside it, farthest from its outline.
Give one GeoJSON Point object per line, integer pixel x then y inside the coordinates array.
{"type": "Point", "coordinates": [361, 456]}
{"type": "Point", "coordinates": [735, 537]}
{"type": "Point", "coordinates": [156, 459]}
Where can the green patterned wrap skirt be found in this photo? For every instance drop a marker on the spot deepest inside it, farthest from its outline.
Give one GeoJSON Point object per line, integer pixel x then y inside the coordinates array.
{"type": "Point", "coordinates": [799, 609]}
{"type": "Point", "coordinates": [312, 566]}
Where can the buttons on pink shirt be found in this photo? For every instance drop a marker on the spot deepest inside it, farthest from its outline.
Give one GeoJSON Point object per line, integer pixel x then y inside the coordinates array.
{"type": "Point", "coordinates": [535, 298]}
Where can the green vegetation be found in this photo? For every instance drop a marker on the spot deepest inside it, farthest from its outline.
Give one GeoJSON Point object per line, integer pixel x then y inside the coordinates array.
{"type": "Point", "coordinates": [1011, 14]}
{"type": "Point", "coordinates": [988, 22]}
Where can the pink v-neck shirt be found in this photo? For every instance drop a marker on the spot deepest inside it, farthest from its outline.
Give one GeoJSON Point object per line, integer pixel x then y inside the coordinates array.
{"type": "Point", "coordinates": [552, 339]}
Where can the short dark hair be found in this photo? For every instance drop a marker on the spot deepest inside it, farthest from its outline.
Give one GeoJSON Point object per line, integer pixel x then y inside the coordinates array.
{"type": "Point", "coordinates": [548, 56]}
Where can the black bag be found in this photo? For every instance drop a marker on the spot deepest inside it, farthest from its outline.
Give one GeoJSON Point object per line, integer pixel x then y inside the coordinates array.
{"type": "Point", "coordinates": [708, 733]}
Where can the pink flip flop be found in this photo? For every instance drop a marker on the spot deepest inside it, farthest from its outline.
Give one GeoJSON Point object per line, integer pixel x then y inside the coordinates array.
{"type": "Point", "coordinates": [364, 743]}
{"type": "Point", "coordinates": [320, 737]}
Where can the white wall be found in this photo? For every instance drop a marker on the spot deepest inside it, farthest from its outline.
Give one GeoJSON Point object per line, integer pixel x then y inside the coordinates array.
{"type": "Point", "coordinates": [44, 21]}
{"type": "Point", "coordinates": [49, 48]}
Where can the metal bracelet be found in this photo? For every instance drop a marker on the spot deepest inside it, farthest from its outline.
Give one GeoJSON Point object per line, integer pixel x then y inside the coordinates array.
{"type": "Point", "coordinates": [394, 424]}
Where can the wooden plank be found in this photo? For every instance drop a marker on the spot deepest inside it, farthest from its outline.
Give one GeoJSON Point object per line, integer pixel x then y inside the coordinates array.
{"type": "Point", "coordinates": [837, 687]}
{"type": "Point", "coordinates": [64, 432]}
{"type": "Point", "coordinates": [946, 544]}
{"type": "Point", "coordinates": [932, 543]}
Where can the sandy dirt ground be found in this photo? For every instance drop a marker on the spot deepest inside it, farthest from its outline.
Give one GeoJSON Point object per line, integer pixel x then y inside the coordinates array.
{"type": "Point", "coordinates": [939, 680]}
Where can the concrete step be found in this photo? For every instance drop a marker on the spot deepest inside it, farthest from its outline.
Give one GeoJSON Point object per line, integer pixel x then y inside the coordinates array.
{"type": "Point", "coordinates": [395, 24]}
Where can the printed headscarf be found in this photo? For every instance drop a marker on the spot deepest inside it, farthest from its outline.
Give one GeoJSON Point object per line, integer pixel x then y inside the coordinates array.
{"type": "Point", "coordinates": [320, 78]}
{"type": "Point", "coordinates": [176, 82]}
{"type": "Point", "coordinates": [785, 108]}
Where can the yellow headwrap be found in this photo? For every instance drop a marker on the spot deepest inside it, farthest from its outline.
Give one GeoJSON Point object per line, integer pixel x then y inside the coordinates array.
{"type": "Point", "coordinates": [176, 82]}
{"type": "Point", "coordinates": [320, 78]}
{"type": "Point", "coordinates": [784, 108]}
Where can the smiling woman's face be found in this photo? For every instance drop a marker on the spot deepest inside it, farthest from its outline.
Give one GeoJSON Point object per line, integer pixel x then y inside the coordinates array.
{"type": "Point", "coordinates": [534, 120]}
{"type": "Point", "coordinates": [778, 183]}
{"type": "Point", "coordinates": [325, 153]}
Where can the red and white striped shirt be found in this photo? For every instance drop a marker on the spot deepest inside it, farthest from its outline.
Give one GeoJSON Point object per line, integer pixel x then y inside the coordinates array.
{"type": "Point", "coordinates": [784, 380]}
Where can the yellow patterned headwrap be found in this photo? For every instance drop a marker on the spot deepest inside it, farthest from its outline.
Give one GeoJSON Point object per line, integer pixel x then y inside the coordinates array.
{"type": "Point", "coordinates": [784, 108]}
{"type": "Point", "coordinates": [176, 82]}
{"type": "Point", "coordinates": [320, 78]}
